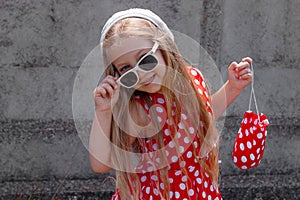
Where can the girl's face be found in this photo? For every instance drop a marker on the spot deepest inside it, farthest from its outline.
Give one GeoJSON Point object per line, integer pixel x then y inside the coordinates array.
{"type": "Point", "coordinates": [126, 53]}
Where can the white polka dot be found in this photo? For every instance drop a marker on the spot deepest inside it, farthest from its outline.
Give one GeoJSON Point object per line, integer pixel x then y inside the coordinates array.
{"type": "Point", "coordinates": [171, 180]}
{"type": "Point", "coordinates": [169, 122]}
{"type": "Point", "coordinates": [180, 125]}
{"type": "Point", "coordinates": [191, 192]}
{"type": "Point", "coordinates": [200, 91]}
{"type": "Point", "coordinates": [148, 190]}
{"type": "Point", "coordinates": [151, 198]}
{"type": "Point", "coordinates": [206, 94]}
{"type": "Point", "coordinates": [159, 118]}
{"type": "Point", "coordinates": [157, 160]}
{"type": "Point", "coordinates": [208, 197]}
{"type": "Point", "coordinates": [257, 150]}
{"type": "Point", "coordinates": [189, 154]}
{"type": "Point", "coordinates": [182, 164]}
{"type": "Point", "coordinates": [203, 84]}
{"type": "Point", "coordinates": [167, 153]}
{"type": "Point", "coordinates": [251, 130]}
{"type": "Point", "coordinates": [258, 157]}
{"type": "Point", "coordinates": [154, 177]}
{"type": "Point", "coordinates": [246, 132]}
{"type": "Point", "coordinates": [242, 147]}
{"type": "Point", "coordinates": [178, 172]}
{"type": "Point", "coordinates": [154, 146]}
{"type": "Point", "coordinates": [183, 116]}
{"type": "Point", "coordinates": [203, 194]}
{"type": "Point", "coordinates": [262, 143]}
{"type": "Point", "coordinates": [174, 158]}
{"type": "Point", "coordinates": [184, 178]}
{"type": "Point", "coordinates": [159, 109]}
{"type": "Point", "coordinates": [217, 198]}
{"type": "Point", "coordinates": [171, 144]}
{"type": "Point", "coordinates": [193, 72]}
{"type": "Point", "coordinates": [181, 149]}
{"type": "Point", "coordinates": [252, 157]}
{"type": "Point", "coordinates": [144, 178]}
{"type": "Point", "coordinates": [240, 135]}
{"type": "Point", "coordinates": [155, 191]}
{"type": "Point", "coordinates": [196, 144]}
{"type": "Point", "coordinates": [205, 184]}
{"type": "Point", "coordinates": [255, 121]}
{"type": "Point", "coordinates": [186, 140]}
{"type": "Point", "coordinates": [245, 121]}
{"type": "Point", "coordinates": [244, 159]}
{"type": "Point", "coordinates": [266, 133]}
{"type": "Point", "coordinates": [253, 164]}
{"type": "Point", "coordinates": [234, 159]}
{"type": "Point", "coordinates": [197, 82]}
{"type": "Point", "coordinates": [182, 186]}
{"type": "Point", "coordinates": [211, 188]}
{"type": "Point", "coordinates": [196, 174]}
{"type": "Point", "coordinates": [191, 130]}
{"type": "Point", "coordinates": [249, 145]}
{"type": "Point", "coordinates": [150, 169]}
{"type": "Point", "coordinates": [259, 136]}
{"type": "Point", "coordinates": [171, 194]}
{"type": "Point", "coordinates": [162, 186]}
{"type": "Point", "coordinates": [244, 167]}
{"type": "Point", "coordinates": [167, 132]}
{"type": "Point", "coordinates": [178, 134]}
{"type": "Point", "coordinates": [160, 100]}
{"type": "Point", "coordinates": [199, 181]}
{"type": "Point", "coordinates": [191, 168]}
{"type": "Point", "coordinates": [254, 142]}
{"type": "Point", "coordinates": [177, 195]}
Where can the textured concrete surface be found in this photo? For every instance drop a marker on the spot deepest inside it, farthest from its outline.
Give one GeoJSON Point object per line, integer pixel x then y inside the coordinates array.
{"type": "Point", "coordinates": [43, 44]}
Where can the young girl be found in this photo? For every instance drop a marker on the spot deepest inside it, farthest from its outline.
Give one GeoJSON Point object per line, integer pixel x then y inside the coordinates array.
{"type": "Point", "coordinates": [154, 116]}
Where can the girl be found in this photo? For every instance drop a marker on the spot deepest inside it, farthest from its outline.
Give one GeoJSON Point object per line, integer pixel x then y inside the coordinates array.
{"type": "Point", "coordinates": [154, 116]}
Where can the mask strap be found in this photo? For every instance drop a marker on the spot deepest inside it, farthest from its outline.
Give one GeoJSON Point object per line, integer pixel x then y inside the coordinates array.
{"type": "Point", "coordinates": [252, 93]}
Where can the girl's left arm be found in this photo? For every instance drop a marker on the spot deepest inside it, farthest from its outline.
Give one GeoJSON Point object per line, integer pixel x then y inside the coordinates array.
{"type": "Point", "coordinates": [239, 76]}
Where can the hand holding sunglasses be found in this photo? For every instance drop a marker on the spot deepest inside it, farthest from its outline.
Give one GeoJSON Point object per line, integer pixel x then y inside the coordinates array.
{"type": "Point", "coordinates": [146, 64]}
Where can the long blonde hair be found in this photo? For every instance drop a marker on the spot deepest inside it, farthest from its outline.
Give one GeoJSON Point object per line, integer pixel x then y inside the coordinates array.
{"type": "Point", "coordinates": [177, 88]}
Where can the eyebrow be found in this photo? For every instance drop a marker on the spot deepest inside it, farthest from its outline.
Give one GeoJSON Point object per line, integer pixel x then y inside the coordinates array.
{"type": "Point", "coordinates": [121, 64]}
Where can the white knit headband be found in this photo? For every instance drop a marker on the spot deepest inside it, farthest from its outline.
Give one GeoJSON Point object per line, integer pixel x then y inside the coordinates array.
{"type": "Point", "coordinates": [136, 12]}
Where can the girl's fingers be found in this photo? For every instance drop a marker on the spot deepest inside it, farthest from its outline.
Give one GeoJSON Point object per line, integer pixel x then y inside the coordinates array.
{"type": "Point", "coordinates": [108, 88]}
{"type": "Point", "coordinates": [247, 59]}
{"type": "Point", "coordinates": [99, 92]}
{"type": "Point", "coordinates": [111, 81]}
{"type": "Point", "coordinates": [244, 72]}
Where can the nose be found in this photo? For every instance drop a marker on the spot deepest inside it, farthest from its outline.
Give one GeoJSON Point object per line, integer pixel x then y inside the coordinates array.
{"type": "Point", "coordinates": [140, 73]}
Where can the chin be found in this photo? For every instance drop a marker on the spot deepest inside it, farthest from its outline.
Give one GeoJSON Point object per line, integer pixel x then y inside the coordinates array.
{"type": "Point", "coordinates": [152, 88]}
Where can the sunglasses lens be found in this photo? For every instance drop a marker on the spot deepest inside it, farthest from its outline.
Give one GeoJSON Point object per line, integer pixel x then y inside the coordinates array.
{"type": "Point", "coordinates": [148, 63]}
{"type": "Point", "coordinates": [129, 79]}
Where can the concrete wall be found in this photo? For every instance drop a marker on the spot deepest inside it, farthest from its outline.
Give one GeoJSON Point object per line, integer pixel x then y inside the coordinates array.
{"type": "Point", "coordinates": [43, 44]}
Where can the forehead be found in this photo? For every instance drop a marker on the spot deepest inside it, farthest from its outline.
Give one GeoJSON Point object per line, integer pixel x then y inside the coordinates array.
{"type": "Point", "coordinates": [125, 46]}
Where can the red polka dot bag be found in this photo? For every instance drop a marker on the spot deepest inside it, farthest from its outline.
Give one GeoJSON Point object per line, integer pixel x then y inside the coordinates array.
{"type": "Point", "coordinates": [249, 144]}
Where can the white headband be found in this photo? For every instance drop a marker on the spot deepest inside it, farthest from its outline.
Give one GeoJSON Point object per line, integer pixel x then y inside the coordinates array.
{"type": "Point", "coordinates": [135, 12]}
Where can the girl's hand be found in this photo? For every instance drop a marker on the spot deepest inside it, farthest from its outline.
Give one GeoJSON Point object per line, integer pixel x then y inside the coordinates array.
{"type": "Point", "coordinates": [239, 74]}
{"type": "Point", "coordinates": [106, 94]}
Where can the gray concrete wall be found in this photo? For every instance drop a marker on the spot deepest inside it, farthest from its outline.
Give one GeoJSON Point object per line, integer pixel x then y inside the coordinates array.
{"type": "Point", "coordinates": [43, 44]}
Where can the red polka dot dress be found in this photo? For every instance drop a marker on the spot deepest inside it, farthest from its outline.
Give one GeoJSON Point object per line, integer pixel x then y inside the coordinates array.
{"type": "Point", "coordinates": [191, 184]}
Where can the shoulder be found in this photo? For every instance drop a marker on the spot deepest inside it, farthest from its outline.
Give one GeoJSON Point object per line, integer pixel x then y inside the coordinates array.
{"type": "Point", "coordinates": [194, 73]}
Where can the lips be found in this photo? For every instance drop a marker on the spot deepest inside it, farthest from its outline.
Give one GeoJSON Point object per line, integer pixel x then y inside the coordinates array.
{"type": "Point", "coordinates": [148, 80]}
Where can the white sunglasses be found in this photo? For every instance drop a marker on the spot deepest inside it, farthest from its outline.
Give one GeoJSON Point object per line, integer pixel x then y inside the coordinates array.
{"type": "Point", "coordinates": [146, 64]}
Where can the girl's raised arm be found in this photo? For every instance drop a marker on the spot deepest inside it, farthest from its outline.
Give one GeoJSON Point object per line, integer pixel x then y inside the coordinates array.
{"type": "Point", "coordinates": [99, 143]}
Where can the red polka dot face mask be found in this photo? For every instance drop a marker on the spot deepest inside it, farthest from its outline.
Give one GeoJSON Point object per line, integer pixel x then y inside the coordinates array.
{"type": "Point", "coordinates": [250, 141]}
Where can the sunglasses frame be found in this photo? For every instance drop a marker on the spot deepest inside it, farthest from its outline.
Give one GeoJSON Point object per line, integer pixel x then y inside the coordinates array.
{"type": "Point", "coordinates": [136, 67]}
